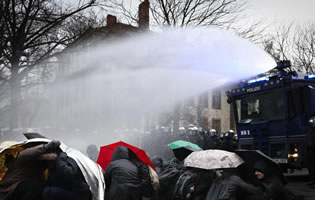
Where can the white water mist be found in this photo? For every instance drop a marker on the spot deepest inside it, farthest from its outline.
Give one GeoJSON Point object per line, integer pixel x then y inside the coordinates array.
{"type": "Point", "coordinates": [147, 73]}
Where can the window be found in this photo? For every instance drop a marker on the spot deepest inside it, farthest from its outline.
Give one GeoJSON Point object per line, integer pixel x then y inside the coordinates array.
{"type": "Point", "coordinates": [203, 100]}
{"type": "Point", "coordinates": [269, 105]}
{"type": "Point", "coordinates": [216, 124]}
{"type": "Point", "coordinates": [216, 99]}
{"type": "Point", "coordinates": [297, 101]}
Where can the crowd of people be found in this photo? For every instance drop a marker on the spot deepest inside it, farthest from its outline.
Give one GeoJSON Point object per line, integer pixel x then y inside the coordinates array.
{"type": "Point", "coordinates": [156, 143]}
{"type": "Point", "coordinates": [128, 178]}
{"type": "Point", "coordinates": [27, 177]}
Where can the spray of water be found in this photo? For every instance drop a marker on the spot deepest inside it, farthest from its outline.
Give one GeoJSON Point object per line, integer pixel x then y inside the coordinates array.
{"type": "Point", "coordinates": [142, 75]}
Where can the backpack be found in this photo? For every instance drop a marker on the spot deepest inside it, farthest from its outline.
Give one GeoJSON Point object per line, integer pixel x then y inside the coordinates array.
{"type": "Point", "coordinates": [185, 185]}
{"type": "Point", "coordinates": [218, 190]}
{"type": "Point", "coordinates": [168, 179]}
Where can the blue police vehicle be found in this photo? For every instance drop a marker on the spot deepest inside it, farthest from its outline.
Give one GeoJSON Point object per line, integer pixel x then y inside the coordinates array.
{"type": "Point", "coordinates": [272, 112]}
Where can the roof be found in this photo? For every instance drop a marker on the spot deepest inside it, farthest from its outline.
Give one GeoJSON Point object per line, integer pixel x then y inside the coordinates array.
{"type": "Point", "coordinates": [117, 30]}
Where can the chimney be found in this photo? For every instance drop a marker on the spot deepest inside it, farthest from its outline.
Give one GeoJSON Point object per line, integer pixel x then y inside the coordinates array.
{"type": "Point", "coordinates": [111, 20]}
{"type": "Point", "coordinates": [144, 9]}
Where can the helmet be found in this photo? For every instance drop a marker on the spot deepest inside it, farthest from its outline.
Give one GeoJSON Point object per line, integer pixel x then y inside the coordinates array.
{"type": "Point", "coordinates": [181, 130]}
{"type": "Point", "coordinates": [231, 133]}
{"type": "Point", "coordinates": [213, 132]}
{"type": "Point", "coordinates": [190, 126]}
{"type": "Point", "coordinates": [226, 134]}
{"type": "Point", "coordinates": [235, 137]}
{"type": "Point", "coordinates": [195, 128]}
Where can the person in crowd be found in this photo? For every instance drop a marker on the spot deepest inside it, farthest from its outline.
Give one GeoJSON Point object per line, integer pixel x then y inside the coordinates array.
{"type": "Point", "coordinates": [175, 163]}
{"type": "Point", "coordinates": [158, 163]}
{"type": "Point", "coordinates": [213, 140]}
{"type": "Point", "coordinates": [203, 183]}
{"type": "Point", "coordinates": [221, 136]}
{"type": "Point", "coordinates": [228, 185]}
{"type": "Point", "coordinates": [201, 138]}
{"type": "Point", "coordinates": [65, 181]}
{"type": "Point", "coordinates": [126, 178]}
{"type": "Point", "coordinates": [271, 183]}
{"type": "Point", "coordinates": [168, 180]}
{"type": "Point", "coordinates": [23, 179]}
{"type": "Point", "coordinates": [228, 144]}
{"type": "Point", "coordinates": [92, 152]}
{"type": "Point", "coordinates": [235, 141]}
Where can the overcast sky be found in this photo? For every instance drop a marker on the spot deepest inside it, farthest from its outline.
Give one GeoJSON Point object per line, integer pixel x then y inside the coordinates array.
{"type": "Point", "coordinates": [299, 10]}
{"type": "Point", "coordinates": [271, 11]}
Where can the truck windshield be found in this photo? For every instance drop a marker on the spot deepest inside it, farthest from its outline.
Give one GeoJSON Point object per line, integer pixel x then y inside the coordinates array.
{"type": "Point", "coordinates": [261, 107]}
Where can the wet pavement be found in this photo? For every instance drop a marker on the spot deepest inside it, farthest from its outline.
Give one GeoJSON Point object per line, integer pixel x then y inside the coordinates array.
{"type": "Point", "coordinates": [297, 185]}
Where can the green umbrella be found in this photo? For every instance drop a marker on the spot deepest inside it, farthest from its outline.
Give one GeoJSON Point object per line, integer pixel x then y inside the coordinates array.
{"type": "Point", "coordinates": [182, 149]}
{"type": "Point", "coordinates": [182, 143]}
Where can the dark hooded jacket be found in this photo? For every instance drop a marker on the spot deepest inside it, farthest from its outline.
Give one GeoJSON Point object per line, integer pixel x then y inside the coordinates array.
{"type": "Point", "coordinates": [67, 175]}
{"type": "Point", "coordinates": [271, 183]}
{"type": "Point", "coordinates": [231, 187]}
{"type": "Point", "coordinates": [123, 178]}
{"type": "Point", "coordinates": [25, 167]}
{"type": "Point", "coordinates": [168, 179]}
{"type": "Point", "coordinates": [157, 161]}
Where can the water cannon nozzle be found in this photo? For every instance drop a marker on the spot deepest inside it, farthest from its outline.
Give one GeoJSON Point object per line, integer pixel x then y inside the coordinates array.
{"type": "Point", "coordinates": [283, 64]}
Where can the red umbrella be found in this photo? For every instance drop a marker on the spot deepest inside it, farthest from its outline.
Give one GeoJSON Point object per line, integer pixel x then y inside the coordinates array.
{"type": "Point", "coordinates": [106, 152]}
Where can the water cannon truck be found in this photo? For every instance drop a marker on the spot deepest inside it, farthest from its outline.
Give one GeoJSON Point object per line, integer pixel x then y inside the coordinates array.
{"type": "Point", "coordinates": [272, 112]}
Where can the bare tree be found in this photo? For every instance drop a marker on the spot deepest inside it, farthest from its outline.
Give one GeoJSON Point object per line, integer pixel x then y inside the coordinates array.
{"type": "Point", "coordinates": [81, 22]}
{"type": "Point", "coordinates": [279, 43]}
{"type": "Point", "coordinates": [304, 48]}
{"type": "Point", "coordinates": [294, 42]}
{"type": "Point", "coordinates": [31, 33]}
{"type": "Point", "coordinates": [254, 31]}
{"type": "Point", "coordinates": [184, 13]}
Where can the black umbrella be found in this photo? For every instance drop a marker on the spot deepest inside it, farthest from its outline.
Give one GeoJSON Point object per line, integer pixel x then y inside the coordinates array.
{"type": "Point", "coordinates": [182, 152]}
{"type": "Point", "coordinates": [182, 148]}
{"type": "Point", "coordinates": [33, 135]}
{"type": "Point", "coordinates": [252, 156]}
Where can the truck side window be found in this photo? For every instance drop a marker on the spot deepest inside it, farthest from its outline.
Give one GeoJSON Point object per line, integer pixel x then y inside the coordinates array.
{"type": "Point", "coordinates": [291, 108]}
{"type": "Point", "coordinates": [298, 101]}
{"type": "Point", "coordinates": [305, 100]}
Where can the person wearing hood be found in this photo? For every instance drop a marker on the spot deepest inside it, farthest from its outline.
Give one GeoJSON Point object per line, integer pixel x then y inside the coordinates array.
{"type": "Point", "coordinates": [23, 179]}
{"type": "Point", "coordinates": [271, 183]}
{"type": "Point", "coordinates": [92, 152]}
{"type": "Point", "coordinates": [66, 181]}
{"type": "Point", "coordinates": [228, 185]}
{"type": "Point", "coordinates": [126, 178]}
{"type": "Point", "coordinates": [158, 163]}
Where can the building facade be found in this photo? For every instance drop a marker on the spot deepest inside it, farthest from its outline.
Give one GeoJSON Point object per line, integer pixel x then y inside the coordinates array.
{"type": "Point", "coordinates": [209, 110]}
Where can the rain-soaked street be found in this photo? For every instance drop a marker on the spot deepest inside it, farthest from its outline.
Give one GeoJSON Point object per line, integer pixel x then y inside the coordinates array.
{"type": "Point", "coordinates": [297, 184]}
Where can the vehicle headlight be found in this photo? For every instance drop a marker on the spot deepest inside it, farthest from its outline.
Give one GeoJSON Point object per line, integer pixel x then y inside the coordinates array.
{"type": "Point", "coordinates": [293, 155]}
{"type": "Point", "coordinates": [312, 121]}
